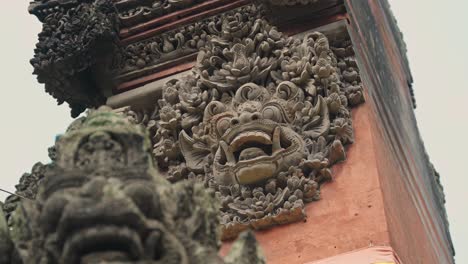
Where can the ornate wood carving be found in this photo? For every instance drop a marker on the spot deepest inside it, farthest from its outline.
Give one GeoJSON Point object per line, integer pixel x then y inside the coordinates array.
{"type": "Point", "coordinates": [103, 201]}
{"type": "Point", "coordinates": [261, 121]}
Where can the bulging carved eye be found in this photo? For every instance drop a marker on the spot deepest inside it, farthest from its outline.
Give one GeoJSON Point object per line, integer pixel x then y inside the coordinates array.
{"type": "Point", "coordinates": [223, 124]}
{"type": "Point", "coordinates": [272, 113]}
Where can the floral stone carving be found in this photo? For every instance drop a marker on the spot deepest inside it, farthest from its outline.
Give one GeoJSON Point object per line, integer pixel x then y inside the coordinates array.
{"type": "Point", "coordinates": [261, 121]}
{"type": "Point", "coordinates": [102, 201]}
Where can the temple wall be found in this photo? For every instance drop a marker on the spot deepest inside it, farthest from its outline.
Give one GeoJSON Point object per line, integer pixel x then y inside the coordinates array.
{"type": "Point", "coordinates": [385, 203]}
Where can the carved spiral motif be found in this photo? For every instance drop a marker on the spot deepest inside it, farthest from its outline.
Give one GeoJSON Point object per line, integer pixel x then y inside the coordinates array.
{"type": "Point", "coordinates": [274, 113]}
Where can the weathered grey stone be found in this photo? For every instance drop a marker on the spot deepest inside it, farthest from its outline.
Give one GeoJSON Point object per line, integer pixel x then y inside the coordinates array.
{"type": "Point", "coordinates": [6, 247]}
{"type": "Point", "coordinates": [101, 200]}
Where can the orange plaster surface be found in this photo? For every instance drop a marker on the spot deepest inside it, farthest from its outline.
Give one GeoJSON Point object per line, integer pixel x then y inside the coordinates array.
{"type": "Point", "coordinates": [372, 255]}
{"type": "Point", "coordinates": [350, 215]}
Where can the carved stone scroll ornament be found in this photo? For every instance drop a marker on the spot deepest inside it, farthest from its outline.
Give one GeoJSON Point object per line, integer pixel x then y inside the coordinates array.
{"type": "Point", "coordinates": [261, 121]}
{"type": "Point", "coordinates": [76, 50]}
{"type": "Point", "coordinates": [102, 201]}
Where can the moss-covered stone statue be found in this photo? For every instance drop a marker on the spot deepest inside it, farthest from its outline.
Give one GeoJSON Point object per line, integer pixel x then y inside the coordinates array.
{"type": "Point", "coordinates": [102, 201]}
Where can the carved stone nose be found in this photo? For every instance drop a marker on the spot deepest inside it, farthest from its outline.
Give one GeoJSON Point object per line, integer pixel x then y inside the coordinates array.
{"type": "Point", "coordinates": [247, 117]}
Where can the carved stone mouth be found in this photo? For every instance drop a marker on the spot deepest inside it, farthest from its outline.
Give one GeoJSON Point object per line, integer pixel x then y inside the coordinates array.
{"type": "Point", "coordinates": [103, 243]}
{"type": "Point", "coordinates": [248, 146]}
{"type": "Point", "coordinates": [117, 213]}
{"type": "Point", "coordinates": [256, 154]}
{"type": "Point", "coordinates": [112, 231]}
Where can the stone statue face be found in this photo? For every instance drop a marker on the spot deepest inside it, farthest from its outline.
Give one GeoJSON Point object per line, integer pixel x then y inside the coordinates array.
{"type": "Point", "coordinates": [102, 201]}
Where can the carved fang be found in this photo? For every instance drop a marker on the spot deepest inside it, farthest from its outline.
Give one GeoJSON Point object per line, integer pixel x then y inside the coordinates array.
{"type": "Point", "coordinates": [276, 140]}
{"type": "Point", "coordinates": [227, 152]}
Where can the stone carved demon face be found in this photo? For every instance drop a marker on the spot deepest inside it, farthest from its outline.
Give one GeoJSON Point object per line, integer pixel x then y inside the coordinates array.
{"type": "Point", "coordinates": [100, 201]}
{"type": "Point", "coordinates": [261, 120]}
{"type": "Point", "coordinates": [254, 134]}
{"type": "Point", "coordinates": [103, 202]}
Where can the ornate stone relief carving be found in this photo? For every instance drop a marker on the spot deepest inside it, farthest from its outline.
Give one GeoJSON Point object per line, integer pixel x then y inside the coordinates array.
{"type": "Point", "coordinates": [261, 121]}
{"type": "Point", "coordinates": [76, 35]}
{"type": "Point", "coordinates": [139, 57]}
{"type": "Point", "coordinates": [102, 201]}
{"type": "Point", "coordinates": [132, 12]}
{"type": "Point", "coordinates": [84, 76]}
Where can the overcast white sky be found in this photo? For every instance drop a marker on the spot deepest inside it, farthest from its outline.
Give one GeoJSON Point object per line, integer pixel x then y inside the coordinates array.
{"type": "Point", "coordinates": [436, 33]}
